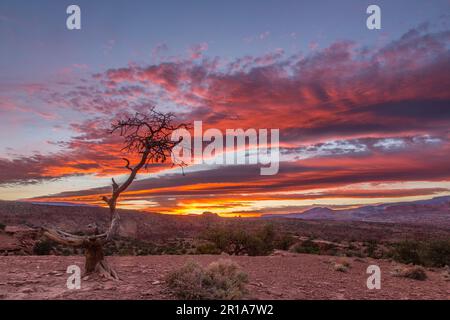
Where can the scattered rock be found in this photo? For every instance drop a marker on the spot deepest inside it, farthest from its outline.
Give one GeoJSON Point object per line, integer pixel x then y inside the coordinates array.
{"type": "Point", "coordinates": [109, 286]}
{"type": "Point", "coordinates": [340, 296]}
{"type": "Point", "coordinates": [27, 290]}
{"type": "Point", "coordinates": [340, 267]}
{"type": "Point", "coordinates": [300, 277]}
{"type": "Point", "coordinates": [257, 284]}
{"type": "Point", "coordinates": [282, 253]}
{"type": "Point", "coordinates": [147, 293]}
{"type": "Point", "coordinates": [274, 293]}
{"type": "Point", "coordinates": [97, 287]}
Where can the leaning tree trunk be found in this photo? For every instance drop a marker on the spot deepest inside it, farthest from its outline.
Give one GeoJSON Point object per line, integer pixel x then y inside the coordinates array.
{"type": "Point", "coordinates": [150, 136]}
{"type": "Point", "coordinates": [94, 256]}
{"type": "Point", "coordinates": [96, 262]}
{"type": "Point", "coordinates": [93, 245]}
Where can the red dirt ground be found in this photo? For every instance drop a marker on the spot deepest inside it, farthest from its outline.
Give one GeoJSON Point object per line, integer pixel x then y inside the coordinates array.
{"type": "Point", "coordinates": [286, 276]}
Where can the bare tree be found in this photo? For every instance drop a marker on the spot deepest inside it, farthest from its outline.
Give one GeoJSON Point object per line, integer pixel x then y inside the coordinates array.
{"type": "Point", "coordinates": [148, 135]}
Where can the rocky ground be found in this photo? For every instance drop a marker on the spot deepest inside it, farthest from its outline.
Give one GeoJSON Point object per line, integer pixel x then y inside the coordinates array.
{"type": "Point", "coordinates": [282, 276]}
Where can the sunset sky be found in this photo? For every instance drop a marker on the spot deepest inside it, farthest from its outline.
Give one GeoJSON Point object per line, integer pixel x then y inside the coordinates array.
{"type": "Point", "coordinates": [364, 115]}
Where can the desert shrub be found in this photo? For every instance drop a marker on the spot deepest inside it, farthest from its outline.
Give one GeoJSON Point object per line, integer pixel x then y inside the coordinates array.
{"type": "Point", "coordinates": [207, 248]}
{"type": "Point", "coordinates": [329, 249]}
{"type": "Point", "coordinates": [220, 238]}
{"type": "Point", "coordinates": [126, 246]}
{"type": "Point", "coordinates": [340, 267]}
{"type": "Point", "coordinates": [371, 248]}
{"type": "Point", "coordinates": [125, 252]}
{"type": "Point", "coordinates": [406, 252]}
{"type": "Point", "coordinates": [284, 242]}
{"type": "Point", "coordinates": [352, 250]}
{"type": "Point", "coordinates": [43, 247]}
{"type": "Point", "coordinates": [411, 272]}
{"type": "Point", "coordinates": [172, 248]}
{"type": "Point", "coordinates": [220, 280]}
{"type": "Point", "coordinates": [434, 253]}
{"type": "Point", "coordinates": [2, 226]}
{"type": "Point", "coordinates": [110, 248]}
{"type": "Point", "coordinates": [446, 273]}
{"type": "Point", "coordinates": [267, 234]}
{"type": "Point", "coordinates": [307, 246]}
{"type": "Point", "coordinates": [66, 252]}
{"type": "Point", "coordinates": [143, 251]}
{"type": "Point", "coordinates": [237, 241]}
{"type": "Point", "coordinates": [255, 246]}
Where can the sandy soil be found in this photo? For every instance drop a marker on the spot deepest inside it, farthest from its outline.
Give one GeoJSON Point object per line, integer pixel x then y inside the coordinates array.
{"type": "Point", "coordinates": [294, 276]}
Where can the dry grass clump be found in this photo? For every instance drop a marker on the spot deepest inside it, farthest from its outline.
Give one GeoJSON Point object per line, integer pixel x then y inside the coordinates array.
{"type": "Point", "coordinates": [411, 272]}
{"type": "Point", "coordinates": [446, 273]}
{"type": "Point", "coordinates": [342, 265]}
{"type": "Point", "coordinates": [220, 280]}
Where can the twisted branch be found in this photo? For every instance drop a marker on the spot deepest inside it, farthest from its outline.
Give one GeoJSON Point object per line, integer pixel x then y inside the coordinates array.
{"type": "Point", "coordinates": [147, 134]}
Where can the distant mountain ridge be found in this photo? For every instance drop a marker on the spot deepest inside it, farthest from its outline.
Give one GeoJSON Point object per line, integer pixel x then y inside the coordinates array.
{"type": "Point", "coordinates": [434, 211]}
{"type": "Point", "coordinates": [145, 225]}
{"type": "Point", "coordinates": [62, 204]}
{"type": "Point", "coordinates": [155, 227]}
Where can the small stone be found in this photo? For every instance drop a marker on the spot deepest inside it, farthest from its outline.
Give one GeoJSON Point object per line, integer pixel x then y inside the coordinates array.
{"type": "Point", "coordinates": [109, 286]}
{"type": "Point", "coordinates": [156, 282]}
{"type": "Point", "coordinates": [340, 296]}
{"type": "Point", "coordinates": [275, 293]}
{"type": "Point", "coordinates": [27, 290]}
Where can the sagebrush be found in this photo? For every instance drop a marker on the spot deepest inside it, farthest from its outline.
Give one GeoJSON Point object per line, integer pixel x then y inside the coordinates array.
{"type": "Point", "coordinates": [220, 280]}
{"type": "Point", "coordinates": [411, 272]}
{"type": "Point", "coordinates": [427, 253]}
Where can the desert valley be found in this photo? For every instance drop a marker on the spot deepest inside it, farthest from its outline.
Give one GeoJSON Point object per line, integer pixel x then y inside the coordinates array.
{"type": "Point", "coordinates": [320, 254]}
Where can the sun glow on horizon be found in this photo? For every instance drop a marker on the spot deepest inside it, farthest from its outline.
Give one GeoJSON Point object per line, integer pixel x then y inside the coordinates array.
{"type": "Point", "coordinates": [247, 204]}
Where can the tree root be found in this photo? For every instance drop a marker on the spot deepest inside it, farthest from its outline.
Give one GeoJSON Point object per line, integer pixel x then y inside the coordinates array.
{"type": "Point", "coordinates": [105, 271]}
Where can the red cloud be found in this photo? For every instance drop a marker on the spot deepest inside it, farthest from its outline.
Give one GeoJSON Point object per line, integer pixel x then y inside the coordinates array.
{"type": "Point", "coordinates": [344, 93]}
